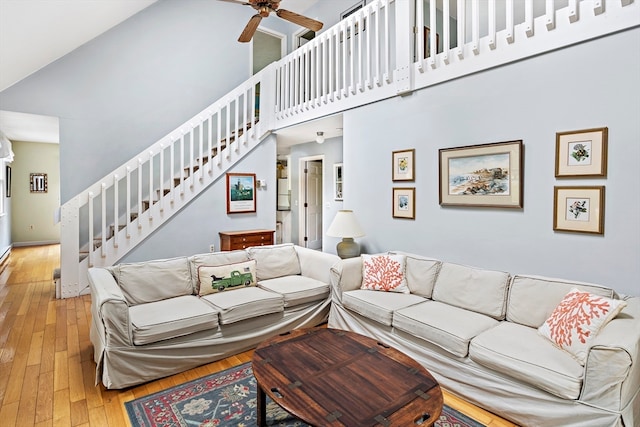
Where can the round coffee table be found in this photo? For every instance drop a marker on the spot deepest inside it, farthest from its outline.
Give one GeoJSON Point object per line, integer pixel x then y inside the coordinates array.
{"type": "Point", "coordinates": [330, 377]}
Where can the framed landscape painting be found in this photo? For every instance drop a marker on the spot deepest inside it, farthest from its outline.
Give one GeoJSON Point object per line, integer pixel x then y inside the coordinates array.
{"type": "Point", "coordinates": [487, 175]}
{"type": "Point", "coordinates": [578, 209]}
{"type": "Point", "coordinates": [241, 192]}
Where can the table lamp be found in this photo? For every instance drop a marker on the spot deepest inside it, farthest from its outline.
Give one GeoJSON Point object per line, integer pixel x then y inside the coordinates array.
{"type": "Point", "coordinates": [346, 225]}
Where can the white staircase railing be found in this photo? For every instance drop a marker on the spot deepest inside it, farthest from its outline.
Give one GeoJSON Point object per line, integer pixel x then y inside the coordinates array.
{"type": "Point", "coordinates": [105, 221]}
{"type": "Point", "coordinates": [385, 49]}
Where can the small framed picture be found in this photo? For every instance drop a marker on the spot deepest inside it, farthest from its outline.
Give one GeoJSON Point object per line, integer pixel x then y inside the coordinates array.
{"type": "Point", "coordinates": [579, 209]}
{"type": "Point", "coordinates": [404, 203]}
{"type": "Point", "coordinates": [241, 192]}
{"type": "Point", "coordinates": [403, 165]}
{"type": "Point", "coordinates": [582, 153]}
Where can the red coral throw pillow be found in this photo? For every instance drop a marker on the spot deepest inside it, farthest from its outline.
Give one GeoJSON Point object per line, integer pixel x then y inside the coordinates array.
{"type": "Point", "coordinates": [576, 321]}
{"type": "Point", "coordinates": [384, 273]}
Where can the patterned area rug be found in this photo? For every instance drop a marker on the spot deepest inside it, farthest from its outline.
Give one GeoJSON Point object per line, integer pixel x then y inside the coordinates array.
{"type": "Point", "coordinates": [228, 399]}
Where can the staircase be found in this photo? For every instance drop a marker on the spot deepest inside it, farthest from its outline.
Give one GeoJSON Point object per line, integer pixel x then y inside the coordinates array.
{"type": "Point", "coordinates": [388, 48]}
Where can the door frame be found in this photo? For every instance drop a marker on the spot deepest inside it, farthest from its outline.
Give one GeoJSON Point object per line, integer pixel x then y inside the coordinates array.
{"type": "Point", "coordinates": [302, 196]}
{"type": "Point", "coordinates": [277, 34]}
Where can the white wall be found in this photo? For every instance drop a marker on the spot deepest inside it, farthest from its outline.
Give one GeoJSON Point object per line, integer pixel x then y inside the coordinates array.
{"type": "Point", "coordinates": [590, 85]}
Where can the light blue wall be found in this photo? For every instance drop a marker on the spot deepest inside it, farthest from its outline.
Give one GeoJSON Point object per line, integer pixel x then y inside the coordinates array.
{"type": "Point", "coordinates": [590, 85]}
{"type": "Point", "coordinates": [122, 91]}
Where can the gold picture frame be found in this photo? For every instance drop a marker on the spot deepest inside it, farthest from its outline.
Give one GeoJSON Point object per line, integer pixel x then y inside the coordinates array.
{"type": "Point", "coordinates": [404, 203]}
{"type": "Point", "coordinates": [582, 153]}
{"type": "Point", "coordinates": [486, 175]}
{"type": "Point", "coordinates": [578, 209]}
{"type": "Point", "coordinates": [403, 165]}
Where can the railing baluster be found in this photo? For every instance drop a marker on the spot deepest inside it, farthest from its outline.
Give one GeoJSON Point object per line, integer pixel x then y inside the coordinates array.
{"type": "Point", "coordinates": [182, 168]}
{"type": "Point", "coordinates": [367, 21]}
{"type": "Point", "coordinates": [192, 156]}
{"type": "Point", "coordinates": [103, 220]}
{"type": "Point", "coordinates": [433, 35]}
{"type": "Point", "coordinates": [475, 26]}
{"type": "Point", "coordinates": [161, 196]}
{"type": "Point", "coordinates": [461, 26]}
{"type": "Point", "coordinates": [201, 147]}
{"type": "Point", "coordinates": [219, 138]}
{"type": "Point", "coordinates": [509, 31]}
{"type": "Point", "coordinates": [172, 175]}
{"type": "Point", "coordinates": [359, 24]}
{"type": "Point", "coordinates": [139, 175]}
{"type": "Point", "coordinates": [128, 204]}
{"type": "Point", "coordinates": [352, 76]}
{"type": "Point", "coordinates": [387, 43]}
{"type": "Point", "coordinates": [343, 86]}
{"type": "Point", "coordinates": [150, 185]}
{"type": "Point", "coordinates": [378, 79]}
{"type": "Point", "coordinates": [446, 40]}
{"type": "Point", "coordinates": [528, 17]}
{"type": "Point", "coordinates": [492, 24]}
{"type": "Point", "coordinates": [116, 219]}
{"type": "Point", "coordinates": [573, 11]}
{"type": "Point", "coordinates": [210, 140]}
{"type": "Point", "coordinates": [550, 14]}
{"type": "Point", "coordinates": [91, 225]}
{"type": "Point", "coordinates": [419, 37]}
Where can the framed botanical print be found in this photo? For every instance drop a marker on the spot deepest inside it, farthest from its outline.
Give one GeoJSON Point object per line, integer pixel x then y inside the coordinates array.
{"type": "Point", "coordinates": [579, 209]}
{"type": "Point", "coordinates": [582, 153]}
{"type": "Point", "coordinates": [403, 165]}
{"type": "Point", "coordinates": [404, 203]}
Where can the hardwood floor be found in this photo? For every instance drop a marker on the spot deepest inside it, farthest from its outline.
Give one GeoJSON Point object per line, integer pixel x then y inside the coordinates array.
{"type": "Point", "coordinates": [46, 361]}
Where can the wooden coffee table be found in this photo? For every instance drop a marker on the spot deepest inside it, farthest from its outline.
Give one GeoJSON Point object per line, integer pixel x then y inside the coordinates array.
{"type": "Point", "coordinates": [330, 377]}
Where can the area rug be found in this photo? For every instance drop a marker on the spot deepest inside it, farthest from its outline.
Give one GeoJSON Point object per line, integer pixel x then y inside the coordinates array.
{"type": "Point", "coordinates": [228, 399]}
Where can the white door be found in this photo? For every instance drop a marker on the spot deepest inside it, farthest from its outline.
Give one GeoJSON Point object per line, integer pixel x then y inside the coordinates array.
{"type": "Point", "coordinates": [313, 204]}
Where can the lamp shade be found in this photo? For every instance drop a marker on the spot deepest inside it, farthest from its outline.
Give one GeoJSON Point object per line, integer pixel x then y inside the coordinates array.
{"type": "Point", "coordinates": [345, 224]}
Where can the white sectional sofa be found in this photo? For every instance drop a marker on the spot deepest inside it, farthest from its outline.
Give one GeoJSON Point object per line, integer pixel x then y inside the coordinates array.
{"type": "Point", "coordinates": [476, 331]}
{"type": "Point", "coordinates": [157, 318]}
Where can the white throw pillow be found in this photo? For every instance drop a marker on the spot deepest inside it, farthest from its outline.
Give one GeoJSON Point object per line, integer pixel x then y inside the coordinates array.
{"type": "Point", "coordinates": [578, 318]}
{"type": "Point", "coordinates": [384, 273]}
{"type": "Point", "coordinates": [214, 279]}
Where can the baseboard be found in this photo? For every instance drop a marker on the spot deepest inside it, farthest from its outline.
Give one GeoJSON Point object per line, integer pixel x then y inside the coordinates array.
{"type": "Point", "coordinates": [40, 243]}
{"type": "Point", "coordinates": [4, 257]}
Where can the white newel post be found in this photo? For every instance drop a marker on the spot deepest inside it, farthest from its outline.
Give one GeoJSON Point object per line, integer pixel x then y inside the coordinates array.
{"type": "Point", "coordinates": [70, 248]}
{"type": "Point", "coordinates": [404, 23]}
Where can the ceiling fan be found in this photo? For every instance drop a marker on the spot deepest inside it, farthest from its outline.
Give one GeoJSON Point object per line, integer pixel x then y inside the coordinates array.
{"type": "Point", "coordinates": [264, 8]}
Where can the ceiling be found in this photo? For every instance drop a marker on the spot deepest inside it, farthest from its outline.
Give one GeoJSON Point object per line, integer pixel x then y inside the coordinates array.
{"type": "Point", "coordinates": [35, 33]}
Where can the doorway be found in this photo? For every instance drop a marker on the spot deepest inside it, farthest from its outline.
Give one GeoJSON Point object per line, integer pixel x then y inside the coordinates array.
{"type": "Point", "coordinates": [267, 46]}
{"type": "Point", "coordinates": [311, 191]}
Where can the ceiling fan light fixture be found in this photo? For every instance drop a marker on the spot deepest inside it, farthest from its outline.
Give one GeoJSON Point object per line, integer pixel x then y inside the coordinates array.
{"type": "Point", "coordinates": [319, 137]}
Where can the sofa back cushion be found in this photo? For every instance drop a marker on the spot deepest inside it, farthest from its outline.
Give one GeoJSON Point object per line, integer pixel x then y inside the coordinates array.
{"type": "Point", "coordinates": [143, 282]}
{"type": "Point", "coordinates": [213, 259]}
{"type": "Point", "coordinates": [532, 299]}
{"type": "Point", "coordinates": [421, 273]}
{"type": "Point", "coordinates": [275, 261]}
{"type": "Point", "coordinates": [482, 291]}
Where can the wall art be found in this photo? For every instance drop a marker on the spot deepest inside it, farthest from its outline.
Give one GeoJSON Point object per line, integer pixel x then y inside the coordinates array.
{"type": "Point", "coordinates": [404, 203]}
{"type": "Point", "coordinates": [337, 181]}
{"type": "Point", "coordinates": [241, 192]}
{"type": "Point", "coordinates": [582, 153]}
{"type": "Point", "coordinates": [38, 183]}
{"type": "Point", "coordinates": [403, 165]}
{"type": "Point", "coordinates": [579, 209]}
{"type": "Point", "coordinates": [487, 175]}
{"type": "Point", "coordinates": [8, 179]}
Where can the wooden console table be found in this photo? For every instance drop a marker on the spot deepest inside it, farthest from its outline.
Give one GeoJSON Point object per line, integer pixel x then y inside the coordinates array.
{"type": "Point", "coordinates": [232, 240]}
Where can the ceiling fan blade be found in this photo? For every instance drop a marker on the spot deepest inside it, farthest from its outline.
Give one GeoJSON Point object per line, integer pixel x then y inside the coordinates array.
{"type": "Point", "coordinates": [309, 23]}
{"type": "Point", "coordinates": [250, 29]}
{"type": "Point", "coordinates": [242, 2]}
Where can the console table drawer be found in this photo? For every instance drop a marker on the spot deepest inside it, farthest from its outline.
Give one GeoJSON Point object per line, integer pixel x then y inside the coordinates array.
{"type": "Point", "coordinates": [232, 240]}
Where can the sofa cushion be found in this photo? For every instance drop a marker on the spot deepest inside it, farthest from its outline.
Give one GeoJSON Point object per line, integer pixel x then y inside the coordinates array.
{"type": "Point", "coordinates": [245, 303]}
{"type": "Point", "coordinates": [576, 321]}
{"type": "Point", "coordinates": [213, 259]}
{"type": "Point", "coordinates": [161, 320]}
{"type": "Point", "coordinates": [431, 321]}
{"type": "Point", "coordinates": [522, 353]}
{"type": "Point", "coordinates": [275, 261]}
{"type": "Point", "coordinates": [212, 279]}
{"type": "Point", "coordinates": [384, 273]}
{"type": "Point", "coordinates": [482, 291]}
{"type": "Point", "coordinates": [532, 299]}
{"type": "Point", "coordinates": [296, 290]}
{"type": "Point", "coordinates": [421, 273]}
{"type": "Point", "coordinates": [144, 282]}
{"type": "Point", "coordinates": [378, 306]}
